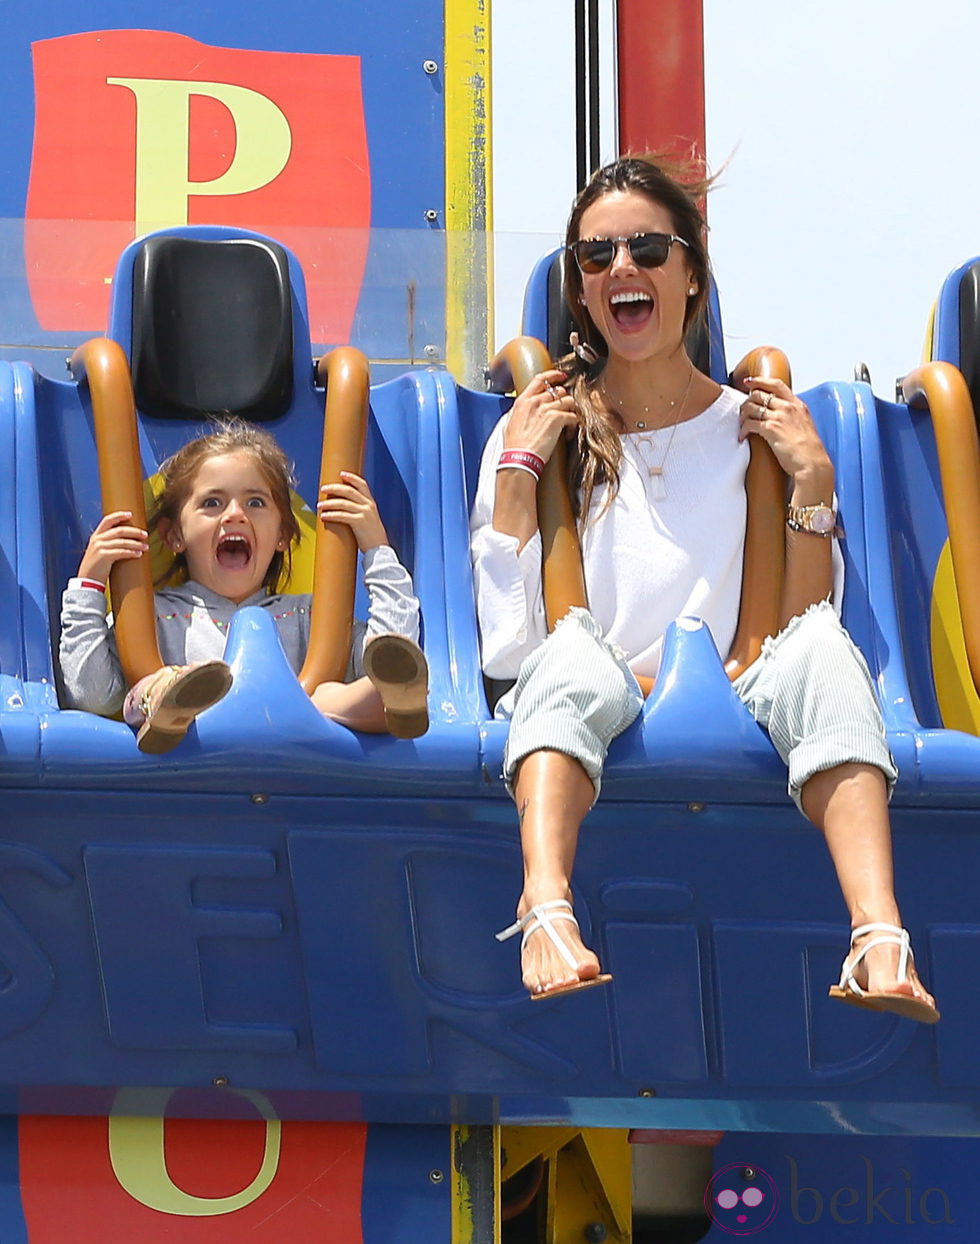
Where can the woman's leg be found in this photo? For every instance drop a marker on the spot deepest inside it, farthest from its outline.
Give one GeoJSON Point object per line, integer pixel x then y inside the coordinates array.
{"type": "Point", "coordinates": [574, 694]}
{"type": "Point", "coordinates": [553, 793]}
{"type": "Point", "coordinates": [850, 804]}
{"type": "Point", "coordinates": [812, 692]}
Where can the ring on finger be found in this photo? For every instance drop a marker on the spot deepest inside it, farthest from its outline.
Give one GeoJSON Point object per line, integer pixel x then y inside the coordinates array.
{"type": "Point", "coordinates": [551, 391]}
{"type": "Point", "coordinates": [767, 401]}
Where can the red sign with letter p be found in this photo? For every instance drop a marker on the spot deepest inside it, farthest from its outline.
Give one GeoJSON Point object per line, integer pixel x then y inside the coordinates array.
{"type": "Point", "coordinates": [137, 130]}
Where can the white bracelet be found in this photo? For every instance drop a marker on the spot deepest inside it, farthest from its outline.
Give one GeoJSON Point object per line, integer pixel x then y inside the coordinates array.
{"type": "Point", "coordinates": [518, 466]}
{"type": "Point", "coordinates": [93, 584]}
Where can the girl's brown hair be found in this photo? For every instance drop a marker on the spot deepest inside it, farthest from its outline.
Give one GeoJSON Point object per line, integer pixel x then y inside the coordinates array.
{"type": "Point", "coordinates": [229, 437]}
{"type": "Point", "coordinates": [678, 187]}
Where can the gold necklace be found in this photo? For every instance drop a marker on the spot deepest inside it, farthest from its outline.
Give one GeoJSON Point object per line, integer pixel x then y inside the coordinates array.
{"type": "Point", "coordinates": [657, 489]}
{"type": "Point", "coordinates": [613, 404]}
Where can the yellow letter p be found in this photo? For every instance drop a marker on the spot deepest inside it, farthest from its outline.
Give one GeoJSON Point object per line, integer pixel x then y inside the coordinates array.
{"type": "Point", "coordinates": [263, 143]}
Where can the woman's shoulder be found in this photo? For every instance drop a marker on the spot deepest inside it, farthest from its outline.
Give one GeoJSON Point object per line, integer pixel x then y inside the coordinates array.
{"type": "Point", "coordinates": [719, 412]}
{"type": "Point", "coordinates": [728, 400]}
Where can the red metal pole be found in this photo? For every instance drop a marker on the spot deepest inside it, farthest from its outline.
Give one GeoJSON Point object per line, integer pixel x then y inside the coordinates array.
{"type": "Point", "coordinates": [661, 76]}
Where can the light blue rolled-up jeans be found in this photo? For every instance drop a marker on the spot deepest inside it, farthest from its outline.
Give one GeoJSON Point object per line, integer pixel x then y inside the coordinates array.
{"type": "Point", "coordinates": [809, 689]}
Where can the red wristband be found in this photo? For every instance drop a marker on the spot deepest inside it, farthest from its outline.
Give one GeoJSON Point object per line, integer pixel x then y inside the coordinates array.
{"type": "Point", "coordinates": [523, 459]}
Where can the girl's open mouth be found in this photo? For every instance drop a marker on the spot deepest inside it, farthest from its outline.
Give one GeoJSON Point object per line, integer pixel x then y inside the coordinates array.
{"type": "Point", "coordinates": [233, 552]}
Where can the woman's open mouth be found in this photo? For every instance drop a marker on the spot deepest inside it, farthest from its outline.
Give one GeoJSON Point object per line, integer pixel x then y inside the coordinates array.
{"type": "Point", "coordinates": [233, 552]}
{"type": "Point", "coordinates": [631, 308]}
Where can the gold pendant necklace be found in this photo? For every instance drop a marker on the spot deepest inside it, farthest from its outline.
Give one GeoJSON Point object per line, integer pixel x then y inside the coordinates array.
{"type": "Point", "coordinates": [657, 487]}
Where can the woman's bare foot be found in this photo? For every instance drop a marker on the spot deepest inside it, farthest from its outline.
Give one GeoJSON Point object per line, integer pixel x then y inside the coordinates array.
{"type": "Point", "coordinates": [544, 968]}
{"type": "Point", "coordinates": [879, 973]}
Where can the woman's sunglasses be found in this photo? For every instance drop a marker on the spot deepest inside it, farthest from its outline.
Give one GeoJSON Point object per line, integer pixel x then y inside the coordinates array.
{"type": "Point", "coordinates": [647, 250]}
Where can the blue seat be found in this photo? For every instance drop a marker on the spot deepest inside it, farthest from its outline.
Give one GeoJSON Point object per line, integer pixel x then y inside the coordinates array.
{"type": "Point", "coordinates": [215, 319]}
{"type": "Point", "coordinates": [282, 904]}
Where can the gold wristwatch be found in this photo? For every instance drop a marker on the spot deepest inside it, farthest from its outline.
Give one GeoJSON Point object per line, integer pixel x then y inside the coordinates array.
{"type": "Point", "coordinates": [815, 520]}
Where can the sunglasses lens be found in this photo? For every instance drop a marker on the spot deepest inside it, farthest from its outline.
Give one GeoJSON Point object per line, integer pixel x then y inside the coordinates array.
{"type": "Point", "coordinates": [594, 256]}
{"type": "Point", "coordinates": [650, 250]}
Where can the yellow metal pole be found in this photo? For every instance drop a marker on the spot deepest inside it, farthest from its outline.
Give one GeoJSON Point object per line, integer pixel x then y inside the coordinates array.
{"type": "Point", "coordinates": [589, 1189]}
{"type": "Point", "coordinates": [476, 1185]}
{"type": "Point", "coordinates": [469, 207]}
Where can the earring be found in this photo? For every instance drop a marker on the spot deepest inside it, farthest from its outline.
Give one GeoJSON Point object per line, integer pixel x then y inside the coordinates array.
{"type": "Point", "coordinates": [178, 545]}
{"type": "Point", "coordinates": [692, 290]}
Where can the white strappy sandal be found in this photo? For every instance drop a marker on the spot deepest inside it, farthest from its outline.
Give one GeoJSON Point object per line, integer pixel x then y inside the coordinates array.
{"type": "Point", "coordinates": [542, 916]}
{"type": "Point", "coordinates": [848, 990]}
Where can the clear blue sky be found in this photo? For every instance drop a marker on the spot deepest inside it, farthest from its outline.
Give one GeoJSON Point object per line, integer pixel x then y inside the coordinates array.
{"type": "Point", "coordinates": [852, 186]}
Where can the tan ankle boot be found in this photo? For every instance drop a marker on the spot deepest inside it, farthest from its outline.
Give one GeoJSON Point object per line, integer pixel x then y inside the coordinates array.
{"type": "Point", "coordinates": [398, 670]}
{"type": "Point", "coordinates": [161, 706]}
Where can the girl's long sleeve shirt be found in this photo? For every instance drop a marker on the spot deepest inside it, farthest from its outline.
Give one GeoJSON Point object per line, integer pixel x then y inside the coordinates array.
{"type": "Point", "coordinates": [192, 625]}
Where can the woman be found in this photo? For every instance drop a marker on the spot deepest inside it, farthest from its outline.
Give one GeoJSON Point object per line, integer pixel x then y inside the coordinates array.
{"type": "Point", "coordinates": [657, 467]}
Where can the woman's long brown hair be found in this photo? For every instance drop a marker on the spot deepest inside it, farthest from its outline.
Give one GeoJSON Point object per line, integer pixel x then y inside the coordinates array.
{"type": "Point", "coordinates": [678, 188]}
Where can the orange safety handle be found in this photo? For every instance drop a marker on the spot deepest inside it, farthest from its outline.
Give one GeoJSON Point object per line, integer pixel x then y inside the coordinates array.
{"type": "Point", "coordinates": [345, 373]}
{"type": "Point", "coordinates": [941, 388]}
{"type": "Point", "coordinates": [102, 365]}
{"type": "Point", "coordinates": [763, 564]}
{"type": "Point", "coordinates": [563, 580]}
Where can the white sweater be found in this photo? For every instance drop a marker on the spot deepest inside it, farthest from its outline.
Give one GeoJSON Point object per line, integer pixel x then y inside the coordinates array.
{"type": "Point", "coordinates": [647, 561]}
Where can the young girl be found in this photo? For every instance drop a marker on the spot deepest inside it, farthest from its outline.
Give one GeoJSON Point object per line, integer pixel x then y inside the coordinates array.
{"type": "Point", "coordinates": [225, 514]}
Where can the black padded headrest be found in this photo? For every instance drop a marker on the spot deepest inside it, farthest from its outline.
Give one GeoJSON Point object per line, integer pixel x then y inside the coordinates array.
{"type": "Point", "coordinates": [560, 323]}
{"type": "Point", "coordinates": [212, 328]}
{"type": "Point", "coordinates": [969, 362]}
